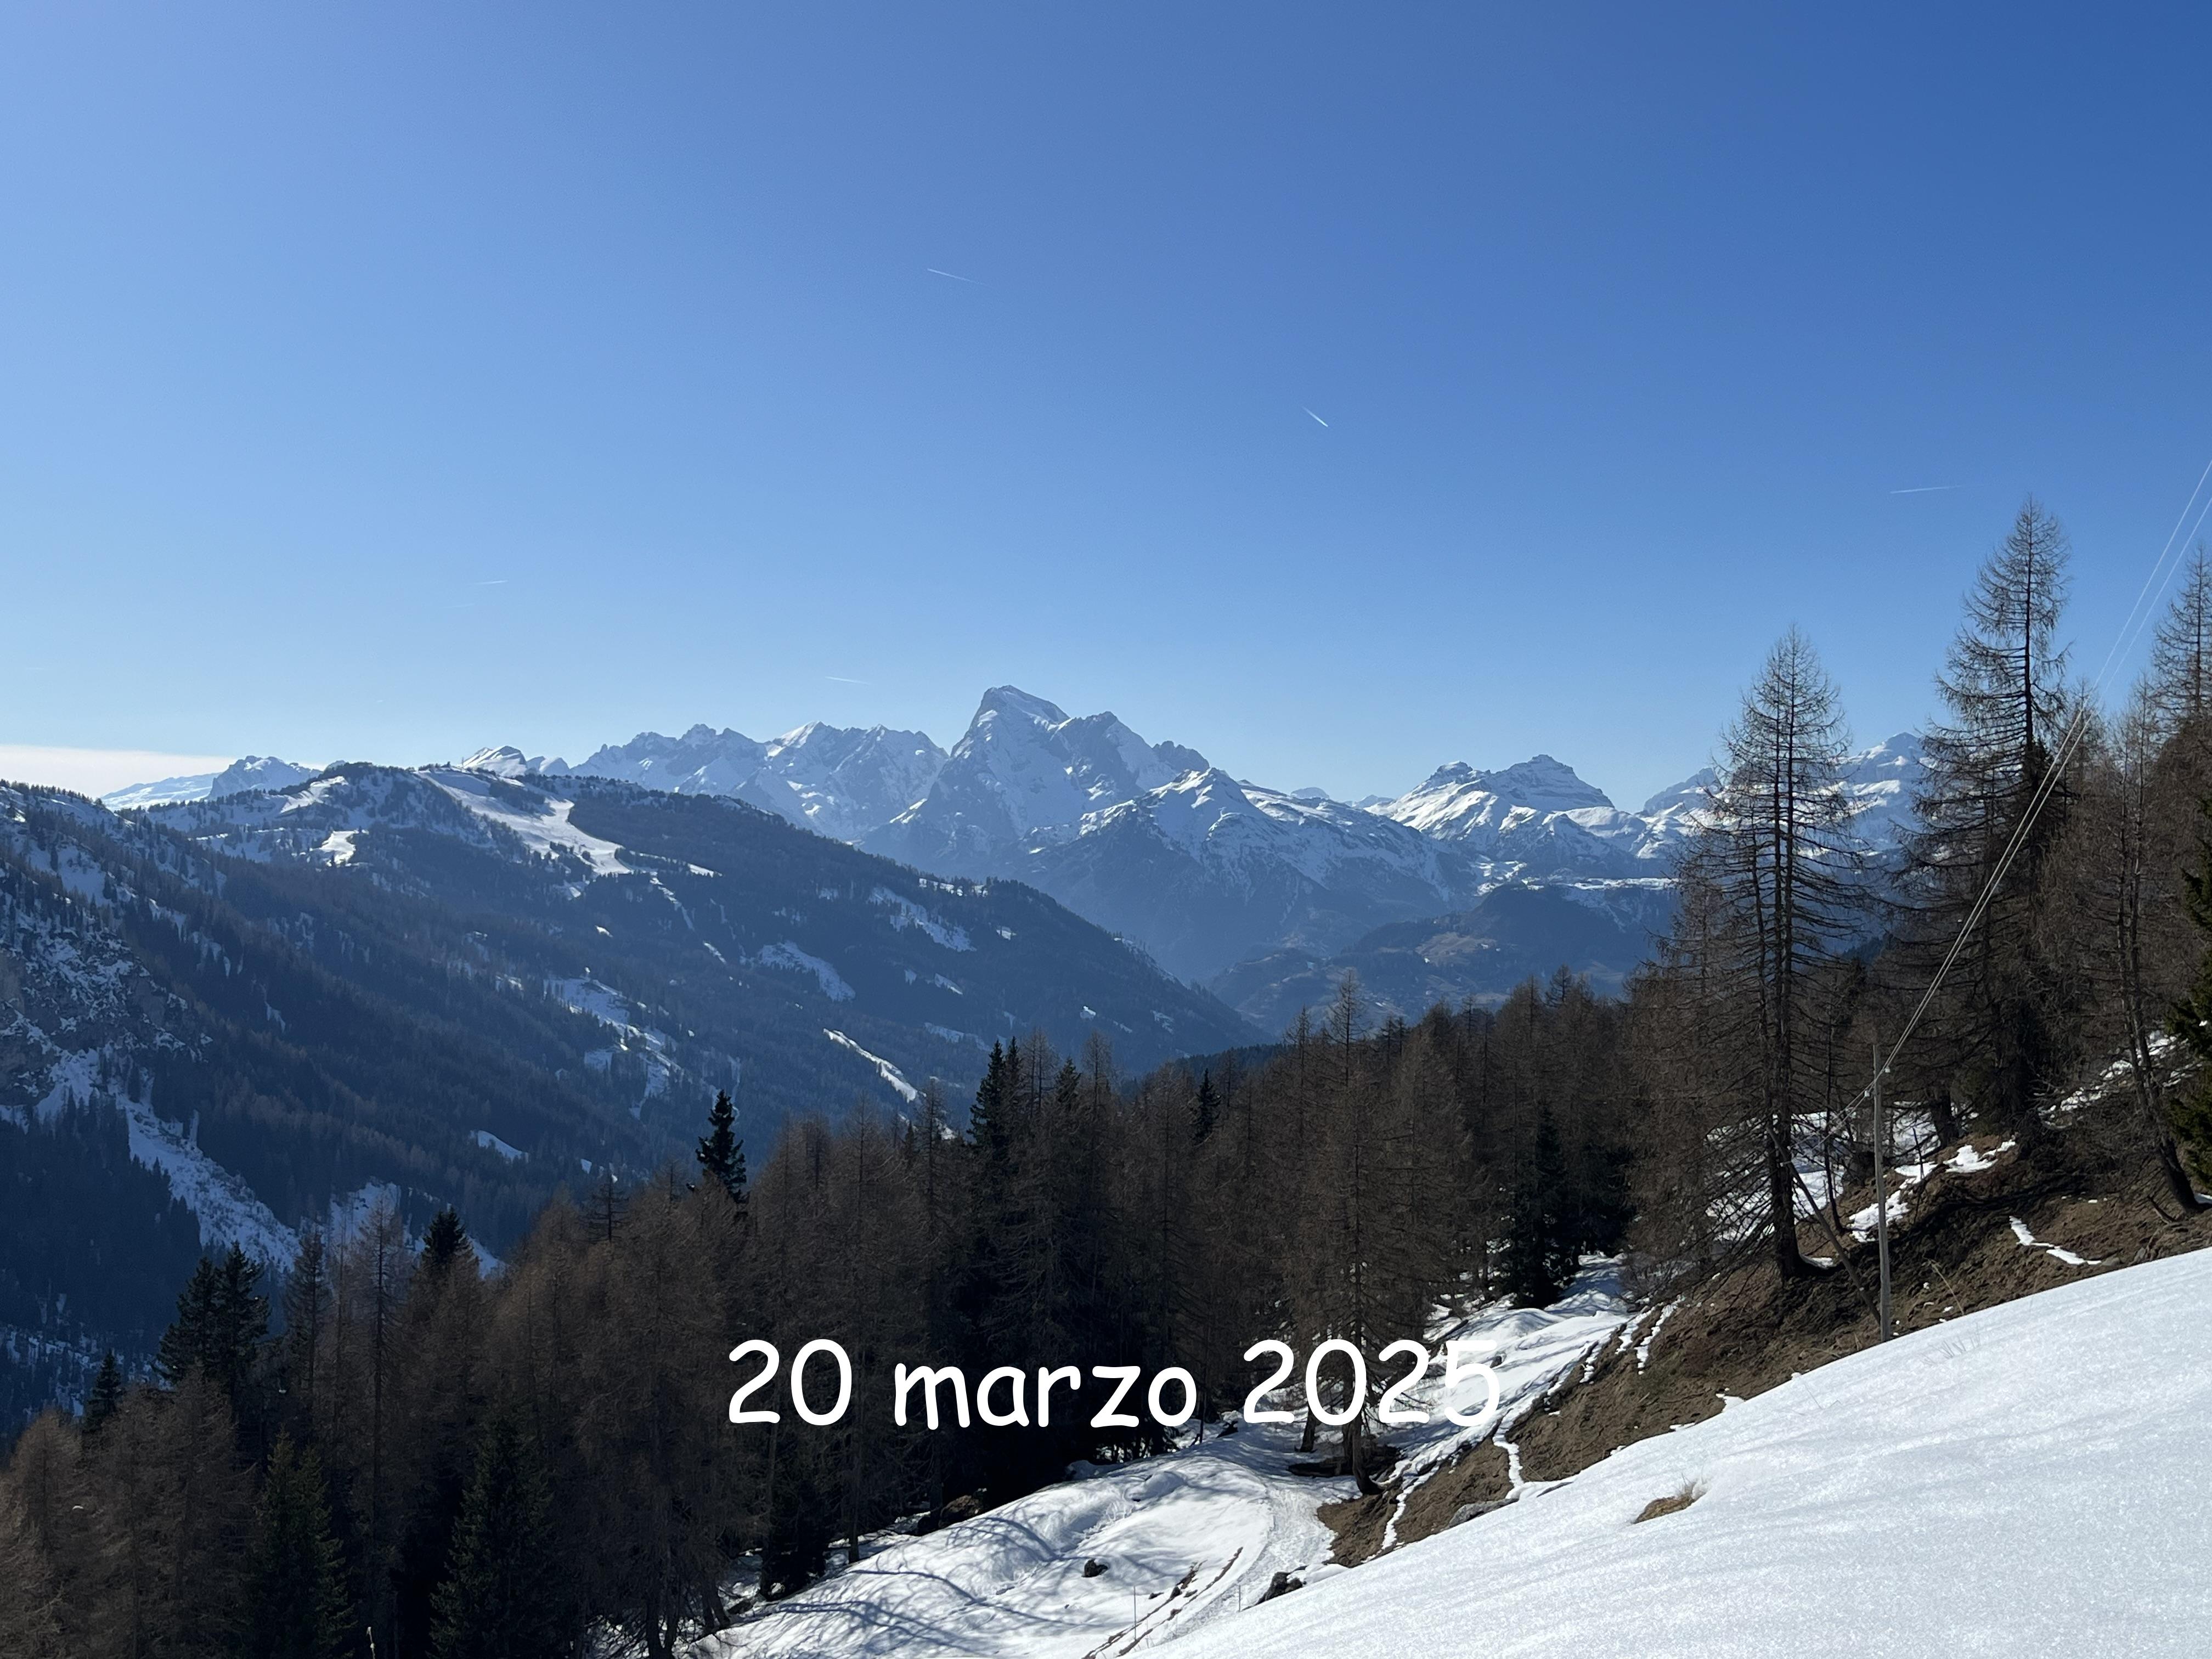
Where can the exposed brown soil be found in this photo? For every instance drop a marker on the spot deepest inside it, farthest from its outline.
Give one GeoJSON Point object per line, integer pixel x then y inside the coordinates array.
{"type": "Point", "coordinates": [1742, 1330]}
{"type": "Point", "coordinates": [1476, 1477]}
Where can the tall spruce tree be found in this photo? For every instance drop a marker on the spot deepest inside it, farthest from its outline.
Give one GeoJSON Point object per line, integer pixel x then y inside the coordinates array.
{"type": "Point", "coordinates": [295, 1600]}
{"type": "Point", "coordinates": [107, 1393]}
{"type": "Point", "coordinates": [720, 1153]}
{"type": "Point", "coordinates": [503, 1596]}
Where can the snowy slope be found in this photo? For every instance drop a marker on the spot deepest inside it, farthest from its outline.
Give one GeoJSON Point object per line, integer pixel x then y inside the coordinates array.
{"type": "Point", "coordinates": [254, 772]}
{"type": "Point", "coordinates": [1188, 1540]}
{"type": "Point", "coordinates": [2027, 1479]}
{"type": "Point", "coordinates": [1206, 871]}
{"type": "Point", "coordinates": [840, 782]}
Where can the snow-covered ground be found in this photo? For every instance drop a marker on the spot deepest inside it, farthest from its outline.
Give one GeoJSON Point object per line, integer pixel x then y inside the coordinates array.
{"type": "Point", "coordinates": [2027, 1479]}
{"type": "Point", "coordinates": [1188, 1540]}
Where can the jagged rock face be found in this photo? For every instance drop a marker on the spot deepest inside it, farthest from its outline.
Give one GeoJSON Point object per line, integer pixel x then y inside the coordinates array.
{"type": "Point", "coordinates": [1024, 768]}
{"type": "Point", "coordinates": [839, 782]}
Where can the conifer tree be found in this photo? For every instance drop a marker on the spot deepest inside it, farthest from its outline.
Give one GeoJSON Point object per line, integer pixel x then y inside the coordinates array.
{"type": "Point", "coordinates": [444, 1240]}
{"type": "Point", "coordinates": [107, 1393]}
{"type": "Point", "coordinates": [1780, 866]}
{"type": "Point", "coordinates": [307, 1307]}
{"type": "Point", "coordinates": [1539, 1250]}
{"type": "Point", "coordinates": [2180, 678]}
{"type": "Point", "coordinates": [721, 1154]}
{"type": "Point", "coordinates": [189, 1339]}
{"type": "Point", "coordinates": [1995, 1028]}
{"type": "Point", "coordinates": [294, 1591]}
{"type": "Point", "coordinates": [1205, 1109]}
{"type": "Point", "coordinates": [502, 1598]}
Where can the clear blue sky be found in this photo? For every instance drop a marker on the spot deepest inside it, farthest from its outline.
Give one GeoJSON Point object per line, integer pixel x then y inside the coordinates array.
{"type": "Point", "coordinates": [387, 380]}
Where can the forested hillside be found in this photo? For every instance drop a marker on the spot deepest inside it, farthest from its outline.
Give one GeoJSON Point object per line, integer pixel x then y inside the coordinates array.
{"type": "Point", "coordinates": [238, 1019]}
{"type": "Point", "coordinates": [2038, 978]}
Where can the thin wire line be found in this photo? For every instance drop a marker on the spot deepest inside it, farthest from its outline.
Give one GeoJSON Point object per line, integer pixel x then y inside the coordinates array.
{"type": "Point", "coordinates": [2130, 631]}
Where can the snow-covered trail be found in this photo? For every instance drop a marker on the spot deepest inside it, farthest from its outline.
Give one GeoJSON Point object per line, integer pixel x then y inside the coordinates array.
{"type": "Point", "coordinates": [1217, 1520]}
{"type": "Point", "coordinates": [1187, 1540]}
{"type": "Point", "coordinates": [2030, 1478]}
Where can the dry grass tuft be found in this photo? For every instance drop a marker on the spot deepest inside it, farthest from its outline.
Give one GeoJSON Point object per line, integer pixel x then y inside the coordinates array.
{"type": "Point", "coordinates": [1690, 1494]}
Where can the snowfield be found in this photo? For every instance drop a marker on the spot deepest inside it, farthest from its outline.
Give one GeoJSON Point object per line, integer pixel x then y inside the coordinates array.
{"type": "Point", "coordinates": [2031, 1478]}
{"type": "Point", "coordinates": [2026, 1480]}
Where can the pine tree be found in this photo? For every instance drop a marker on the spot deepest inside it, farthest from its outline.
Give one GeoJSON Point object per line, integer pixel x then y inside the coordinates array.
{"type": "Point", "coordinates": [221, 1324]}
{"type": "Point", "coordinates": [189, 1339]}
{"type": "Point", "coordinates": [294, 1593]}
{"type": "Point", "coordinates": [1539, 1253]}
{"type": "Point", "coordinates": [107, 1393]}
{"type": "Point", "coordinates": [721, 1154]}
{"type": "Point", "coordinates": [2180, 677]}
{"type": "Point", "coordinates": [308, 1308]}
{"type": "Point", "coordinates": [608, 1203]}
{"type": "Point", "coordinates": [1780, 865]}
{"type": "Point", "coordinates": [443, 1243]}
{"type": "Point", "coordinates": [1206, 1110]}
{"type": "Point", "coordinates": [502, 1597]}
{"type": "Point", "coordinates": [1995, 1028]}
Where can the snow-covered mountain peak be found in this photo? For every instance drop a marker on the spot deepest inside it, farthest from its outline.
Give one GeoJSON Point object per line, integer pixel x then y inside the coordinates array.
{"type": "Point", "coordinates": [241, 776]}
{"type": "Point", "coordinates": [1547, 785]}
{"type": "Point", "coordinates": [1010, 702]}
{"type": "Point", "coordinates": [1025, 770]}
{"type": "Point", "coordinates": [504, 761]}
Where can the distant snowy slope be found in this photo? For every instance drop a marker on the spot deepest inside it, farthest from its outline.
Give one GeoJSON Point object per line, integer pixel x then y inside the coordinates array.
{"type": "Point", "coordinates": [252, 772]}
{"type": "Point", "coordinates": [840, 782]}
{"type": "Point", "coordinates": [2026, 1480]}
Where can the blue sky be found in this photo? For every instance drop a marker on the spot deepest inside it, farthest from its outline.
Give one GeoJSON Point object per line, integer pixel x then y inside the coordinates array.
{"type": "Point", "coordinates": [383, 382]}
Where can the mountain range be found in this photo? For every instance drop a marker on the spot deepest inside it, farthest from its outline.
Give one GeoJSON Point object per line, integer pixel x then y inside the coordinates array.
{"type": "Point", "coordinates": [1260, 894]}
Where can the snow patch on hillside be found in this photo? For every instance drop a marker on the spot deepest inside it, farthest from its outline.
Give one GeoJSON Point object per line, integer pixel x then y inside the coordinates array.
{"type": "Point", "coordinates": [889, 1073]}
{"type": "Point", "coordinates": [788, 955]}
{"type": "Point", "coordinates": [226, 1207]}
{"type": "Point", "coordinates": [905, 913]}
{"type": "Point", "coordinates": [544, 831]}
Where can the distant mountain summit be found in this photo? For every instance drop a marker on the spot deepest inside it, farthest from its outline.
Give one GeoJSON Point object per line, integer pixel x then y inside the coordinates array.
{"type": "Point", "coordinates": [252, 772]}
{"type": "Point", "coordinates": [1024, 768]}
{"type": "Point", "coordinates": [838, 781]}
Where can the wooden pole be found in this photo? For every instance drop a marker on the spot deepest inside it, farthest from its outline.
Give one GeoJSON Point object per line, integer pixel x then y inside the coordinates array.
{"type": "Point", "coordinates": [1882, 1190]}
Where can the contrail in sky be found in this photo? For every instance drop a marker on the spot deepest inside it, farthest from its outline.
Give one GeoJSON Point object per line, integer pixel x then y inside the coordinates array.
{"type": "Point", "coordinates": [497, 582]}
{"type": "Point", "coordinates": [1314, 416]}
{"type": "Point", "coordinates": [954, 274]}
{"type": "Point", "coordinates": [841, 680]}
{"type": "Point", "coordinates": [1922, 489]}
